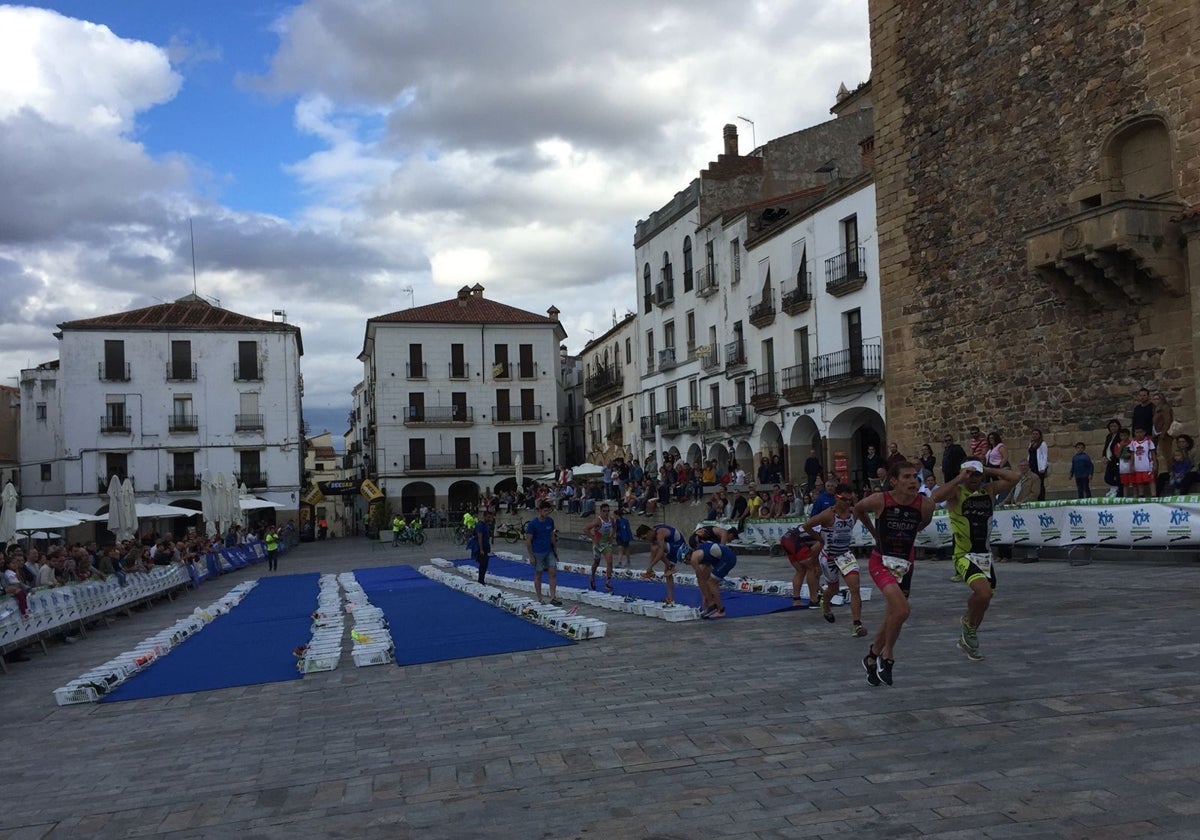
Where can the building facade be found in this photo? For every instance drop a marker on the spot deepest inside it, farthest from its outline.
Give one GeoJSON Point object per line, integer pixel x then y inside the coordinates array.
{"type": "Point", "coordinates": [457, 396]}
{"type": "Point", "coordinates": [10, 436]}
{"type": "Point", "coordinates": [160, 395]}
{"type": "Point", "coordinates": [611, 399]}
{"type": "Point", "coordinates": [1038, 218]}
{"type": "Point", "coordinates": [759, 318]}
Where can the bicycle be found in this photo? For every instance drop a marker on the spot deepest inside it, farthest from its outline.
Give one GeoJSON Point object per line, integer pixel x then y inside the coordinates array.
{"type": "Point", "coordinates": [412, 536]}
{"type": "Point", "coordinates": [509, 532]}
{"type": "Point", "coordinates": [462, 533]}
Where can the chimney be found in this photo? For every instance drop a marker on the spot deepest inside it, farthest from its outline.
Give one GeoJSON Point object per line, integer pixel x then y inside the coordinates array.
{"type": "Point", "coordinates": [868, 153]}
{"type": "Point", "coordinates": [477, 291]}
{"type": "Point", "coordinates": [731, 140]}
{"type": "Point", "coordinates": [463, 294]}
{"type": "Point", "coordinates": [553, 313]}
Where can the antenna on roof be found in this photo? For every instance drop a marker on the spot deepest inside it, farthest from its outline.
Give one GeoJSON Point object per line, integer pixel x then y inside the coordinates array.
{"type": "Point", "coordinates": [412, 297]}
{"type": "Point", "coordinates": [192, 237]}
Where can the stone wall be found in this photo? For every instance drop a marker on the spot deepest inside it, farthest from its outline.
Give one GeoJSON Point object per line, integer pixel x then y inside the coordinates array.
{"type": "Point", "coordinates": [984, 126]}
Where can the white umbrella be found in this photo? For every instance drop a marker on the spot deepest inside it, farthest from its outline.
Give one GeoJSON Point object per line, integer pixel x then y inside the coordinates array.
{"type": "Point", "coordinates": [129, 503]}
{"type": "Point", "coordinates": [588, 471]}
{"type": "Point", "coordinates": [257, 504]}
{"type": "Point", "coordinates": [85, 517]}
{"type": "Point", "coordinates": [8, 514]}
{"type": "Point", "coordinates": [28, 521]}
{"type": "Point", "coordinates": [116, 510]}
{"type": "Point", "coordinates": [519, 461]}
{"type": "Point", "coordinates": [154, 510]}
{"type": "Point", "coordinates": [208, 503]}
{"type": "Point", "coordinates": [222, 490]}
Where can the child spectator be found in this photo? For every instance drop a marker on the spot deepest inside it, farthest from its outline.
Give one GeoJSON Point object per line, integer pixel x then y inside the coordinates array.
{"type": "Point", "coordinates": [1082, 469]}
{"type": "Point", "coordinates": [1139, 478]}
{"type": "Point", "coordinates": [1181, 465]}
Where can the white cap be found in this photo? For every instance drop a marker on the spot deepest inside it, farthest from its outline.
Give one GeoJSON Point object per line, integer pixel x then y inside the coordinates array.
{"type": "Point", "coordinates": [975, 466]}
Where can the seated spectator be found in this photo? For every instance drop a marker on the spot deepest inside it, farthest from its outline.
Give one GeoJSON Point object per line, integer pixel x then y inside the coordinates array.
{"type": "Point", "coordinates": [1027, 487]}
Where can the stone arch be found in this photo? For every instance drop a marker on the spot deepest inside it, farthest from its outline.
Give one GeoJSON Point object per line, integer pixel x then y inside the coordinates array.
{"type": "Point", "coordinates": [695, 454]}
{"type": "Point", "coordinates": [770, 442]}
{"type": "Point", "coordinates": [1135, 159]}
{"type": "Point", "coordinates": [850, 433]}
{"type": "Point", "coordinates": [720, 454]}
{"type": "Point", "coordinates": [463, 495]}
{"type": "Point", "coordinates": [414, 494]}
{"type": "Point", "coordinates": [744, 455]}
{"type": "Point", "coordinates": [802, 437]}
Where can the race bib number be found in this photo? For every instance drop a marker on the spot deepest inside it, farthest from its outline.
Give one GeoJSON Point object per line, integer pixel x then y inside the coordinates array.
{"type": "Point", "coordinates": [898, 566]}
{"type": "Point", "coordinates": [982, 560]}
{"type": "Point", "coordinates": [846, 563]}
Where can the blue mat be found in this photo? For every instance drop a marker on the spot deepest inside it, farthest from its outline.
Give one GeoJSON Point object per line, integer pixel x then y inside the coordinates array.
{"type": "Point", "coordinates": [250, 644]}
{"type": "Point", "coordinates": [737, 604]}
{"type": "Point", "coordinates": [430, 622]}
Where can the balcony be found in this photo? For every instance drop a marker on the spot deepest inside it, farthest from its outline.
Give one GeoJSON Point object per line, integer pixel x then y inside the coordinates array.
{"type": "Point", "coordinates": [765, 394]}
{"type": "Point", "coordinates": [852, 366]}
{"type": "Point", "coordinates": [183, 423]}
{"type": "Point", "coordinates": [440, 415]}
{"type": "Point", "coordinates": [1132, 245]}
{"type": "Point", "coordinates": [847, 272]}
{"type": "Point", "coordinates": [737, 417]}
{"type": "Point", "coordinates": [527, 370]}
{"type": "Point", "coordinates": [507, 461]}
{"type": "Point", "coordinates": [441, 463]}
{"type": "Point", "coordinates": [181, 372]}
{"type": "Point", "coordinates": [706, 281]}
{"type": "Point", "coordinates": [251, 478]}
{"type": "Point", "coordinates": [666, 359]}
{"type": "Point", "coordinates": [416, 370]}
{"type": "Point", "coordinates": [799, 299]}
{"type": "Point", "coordinates": [459, 371]}
{"type": "Point", "coordinates": [113, 425]}
{"type": "Point", "coordinates": [797, 384]}
{"type": "Point", "coordinates": [708, 356]}
{"type": "Point", "coordinates": [114, 373]}
{"type": "Point", "coordinates": [651, 364]}
{"type": "Point", "coordinates": [604, 382]}
{"type": "Point", "coordinates": [647, 427]}
{"type": "Point", "coordinates": [762, 314]}
{"type": "Point", "coordinates": [248, 423]}
{"type": "Point", "coordinates": [516, 414]}
{"type": "Point", "coordinates": [183, 483]}
{"type": "Point", "coordinates": [735, 354]}
{"type": "Point", "coordinates": [695, 419]}
{"type": "Point", "coordinates": [669, 420]}
{"type": "Point", "coordinates": [247, 373]}
{"type": "Point", "coordinates": [664, 295]}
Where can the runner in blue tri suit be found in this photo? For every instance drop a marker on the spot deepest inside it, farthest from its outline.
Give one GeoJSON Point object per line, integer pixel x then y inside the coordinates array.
{"type": "Point", "coordinates": [666, 544]}
{"type": "Point", "coordinates": [711, 561]}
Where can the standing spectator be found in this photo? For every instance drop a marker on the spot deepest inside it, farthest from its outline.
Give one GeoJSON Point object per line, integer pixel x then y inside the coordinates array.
{"type": "Point", "coordinates": [1081, 470]}
{"type": "Point", "coordinates": [872, 464]}
{"type": "Point", "coordinates": [1164, 417]}
{"type": "Point", "coordinates": [977, 445]}
{"type": "Point", "coordinates": [1039, 459]}
{"type": "Point", "coordinates": [894, 456]}
{"type": "Point", "coordinates": [1111, 454]}
{"type": "Point", "coordinates": [812, 470]}
{"type": "Point", "coordinates": [953, 456]}
{"type": "Point", "coordinates": [776, 469]}
{"type": "Point", "coordinates": [481, 541]}
{"type": "Point", "coordinates": [926, 460]}
{"type": "Point", "coordinates": [996, 455]}
{"type": "Point", "coordinates": [1143, 412]}
{"type": "Point", "coordinates": [541, 541]}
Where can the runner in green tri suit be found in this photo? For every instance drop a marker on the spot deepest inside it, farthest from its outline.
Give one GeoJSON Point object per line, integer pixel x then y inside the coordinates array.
{"type": "Point", "coordinates": [970, 503]}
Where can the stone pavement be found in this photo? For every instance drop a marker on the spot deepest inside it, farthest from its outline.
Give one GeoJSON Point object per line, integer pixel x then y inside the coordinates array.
{"type": "Point", "coordinates": [1082, 722]}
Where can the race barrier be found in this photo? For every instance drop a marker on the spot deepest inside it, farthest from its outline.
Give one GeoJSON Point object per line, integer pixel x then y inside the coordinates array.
{"type": "Point", "coordinates": [1166, 522]}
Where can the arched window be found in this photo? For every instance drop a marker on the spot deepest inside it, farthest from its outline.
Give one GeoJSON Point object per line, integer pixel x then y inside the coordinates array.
{"type": "Point", "coordinates": [1136, 162]}
{"type": "Point", "coordinates": [647, 290]}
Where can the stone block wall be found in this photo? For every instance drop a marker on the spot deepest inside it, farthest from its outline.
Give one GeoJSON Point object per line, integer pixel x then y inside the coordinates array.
{"type": "Point", "coordinates": [985, 123]}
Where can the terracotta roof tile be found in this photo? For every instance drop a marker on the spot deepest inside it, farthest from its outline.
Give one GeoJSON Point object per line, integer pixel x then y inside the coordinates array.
{"type": "Point", "coordinates": [471, 310]}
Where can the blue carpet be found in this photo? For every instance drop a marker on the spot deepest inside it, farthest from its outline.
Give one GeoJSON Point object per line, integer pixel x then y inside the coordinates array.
{"type": "Point", "coordinates": [250, 644]}
{"type": "Point", "coordinates": [430, 622]}
{"type": "Point", "coordinates": [737, 604]}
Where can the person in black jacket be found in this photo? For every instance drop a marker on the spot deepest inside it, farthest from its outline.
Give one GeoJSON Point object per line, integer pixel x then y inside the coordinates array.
{"type": "Point", "coordinates": [952, 459]}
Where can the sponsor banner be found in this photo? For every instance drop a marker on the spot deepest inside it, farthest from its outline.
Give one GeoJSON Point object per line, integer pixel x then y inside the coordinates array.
{"type": "Point", "coordinates": [370, 491]}
{"type": "Point", "coordinates": [1159, 522]}
{"type": "Point", "coordinates": [313, 496]}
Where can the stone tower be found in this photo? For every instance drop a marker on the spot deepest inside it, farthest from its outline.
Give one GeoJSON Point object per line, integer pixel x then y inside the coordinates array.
{"type": "Point", "coordinates": [1038, 181]}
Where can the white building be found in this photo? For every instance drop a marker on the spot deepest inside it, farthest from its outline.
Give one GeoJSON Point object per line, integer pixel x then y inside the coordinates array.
{"type": "Point", "coordinates": [456, 394]}
{"type": "Point", "coordinates": [611, 400]}
{"type": "Point", "coordinates": [160, 395]}
{"type": "Point", "coordinates": [569, 436]}
{"type": "Point", "coordinates": [759, 317]}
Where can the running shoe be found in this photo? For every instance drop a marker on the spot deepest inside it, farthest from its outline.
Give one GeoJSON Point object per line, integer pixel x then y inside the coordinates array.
{"type": "Point", "coordinates": [830, 617]}
{"type": "Point", "coordinates": [647, 575]}
{"type": "Point", "coordinates": [555, 602]}
{"type": "Point", "coordinates": [573, 611]}
{"type": "Point", "coordinates": [608, 584]}
{"type": "Point", "coordinates": [871, 669]}
{"type": "Point", "coordinates": [708, 611]}
{"type": "Point", "coordinates": [883, 667]}
{"type": "Point", "coordinates": [956, 578]}
{"type": "Point", "coordinates": [859, 631]}
{"type": "Point", "coordinates": [629, 599]}
{"type": "Point", "coordinates": [972, 653]}
{"type": "Point", "coordinates": [666, 603]}
{"type": "Point", "coordinates": [969, 635]}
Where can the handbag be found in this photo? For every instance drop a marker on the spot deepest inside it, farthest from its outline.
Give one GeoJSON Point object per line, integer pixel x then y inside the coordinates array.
{"type": "Point", "coordinates": [1175, 429]}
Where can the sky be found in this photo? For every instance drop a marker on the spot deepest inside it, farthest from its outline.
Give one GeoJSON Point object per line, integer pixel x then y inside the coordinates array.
{"type": "Point", "coordinates": [342, 159]}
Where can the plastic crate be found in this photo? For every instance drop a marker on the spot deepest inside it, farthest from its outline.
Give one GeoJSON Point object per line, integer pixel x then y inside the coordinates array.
{"type": "Point", "coordinates": [372, 655]}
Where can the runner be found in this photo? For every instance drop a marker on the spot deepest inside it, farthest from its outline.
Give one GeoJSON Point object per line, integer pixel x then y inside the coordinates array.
{"type": "Point", "coordinates": [712, 533]}
{"type": "Point", "coordinates": [666, 544]}
{"type": "Point", "coordinates": [833, 528]}
{"type": "Point", "coordinates": [603, 533]}
{"type": "Point", "coordinates": [712, 561]}
{"type": "Point", "coordinates": [970, 505]}
{"type": "Point", "coordinates": [800, 549]}
{"type": "Point", "coordinates": [541, 541]}
{"type": "Point", "coordinates": [900, 513]}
